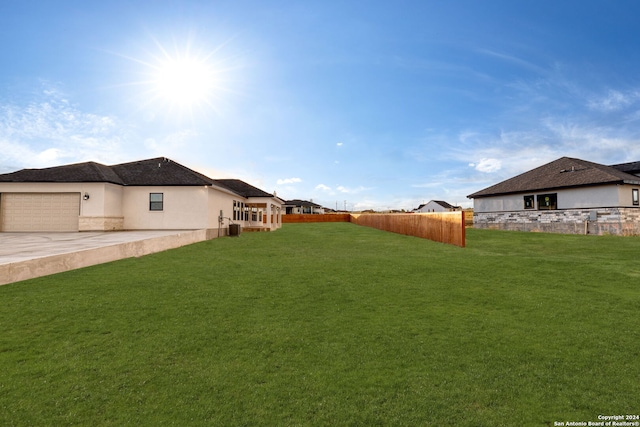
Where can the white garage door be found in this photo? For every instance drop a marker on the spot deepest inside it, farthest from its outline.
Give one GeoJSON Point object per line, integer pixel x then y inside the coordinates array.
{"type": "Point", "coordinates": [39, 211]}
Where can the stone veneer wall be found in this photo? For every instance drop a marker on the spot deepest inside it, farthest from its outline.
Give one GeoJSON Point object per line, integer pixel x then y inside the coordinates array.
{"type": "Point", "coordinates": [618, 221]}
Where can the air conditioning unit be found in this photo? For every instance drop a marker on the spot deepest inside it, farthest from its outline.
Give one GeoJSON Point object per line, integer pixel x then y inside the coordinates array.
{"type": "Point", "coordinates": [235, 229]}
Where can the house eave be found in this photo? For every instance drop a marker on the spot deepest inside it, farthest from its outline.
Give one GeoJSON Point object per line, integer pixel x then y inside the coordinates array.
{"type": "Point", "coordinates": [543, 189]}
{"type": "Point", "coordinates": [168, 185]}
{"type": "Point", "coordinates": [84, 181]}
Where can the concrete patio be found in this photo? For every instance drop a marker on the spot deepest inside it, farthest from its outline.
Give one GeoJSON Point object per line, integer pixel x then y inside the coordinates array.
{"type": "Point", "coordinates": [27, 255]}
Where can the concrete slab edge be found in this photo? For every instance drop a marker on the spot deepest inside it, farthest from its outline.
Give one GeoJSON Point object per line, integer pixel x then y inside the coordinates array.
{"type": "Point", "coordinates": [24, 270]}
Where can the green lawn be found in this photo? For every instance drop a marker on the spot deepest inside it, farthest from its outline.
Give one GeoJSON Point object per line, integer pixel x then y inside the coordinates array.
{"type": "Point", "coordinates": [330, 324]}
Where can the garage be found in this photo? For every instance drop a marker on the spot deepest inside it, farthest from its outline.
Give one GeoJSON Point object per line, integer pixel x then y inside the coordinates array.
{"type": "Point", "coordinates": [39, 211]}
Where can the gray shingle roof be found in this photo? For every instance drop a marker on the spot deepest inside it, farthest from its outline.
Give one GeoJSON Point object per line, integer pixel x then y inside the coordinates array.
{"type": "Point", "coordinates": [298, 202]}
{"type": "Point", "coordinates": [440, 202]}
{"type": "Point", "coordinates": [565, 172]}
{"type": "Point", "coordinates": [241, 188]}
{"type": "Point", "coordinates": [153, 172]}
{"type": "Point", "coordinates": [159, 171]}
{"type": "Point", "coordinates": [79, 172]}
{"type": "Point", "coordinates": [444, 204]}
{"type": "Point", "coordinates": [632, 167]}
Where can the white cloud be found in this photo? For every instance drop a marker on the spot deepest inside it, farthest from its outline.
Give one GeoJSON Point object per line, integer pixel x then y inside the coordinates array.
{"type": "Point", "coordinates": [340, 189]}
{"type": "Point", "coordinates": [17, 156]}
{"type": "Point", "coordinates": [346, 190]}
{"type": "Point", "coordinates": [488, 165]}
{"type": "Point", "coordinates": [614, 100]}
{"type": "Point", "coordinates": [48, 156]}
{"type": "Point", "coordinates": [50, 130]}
{"type": "Point", "coordinates": [601, 144]}
{"type": "Point", "coordinates": [339, 144]}
{"type": "Point", "coordinates": [288, 181]}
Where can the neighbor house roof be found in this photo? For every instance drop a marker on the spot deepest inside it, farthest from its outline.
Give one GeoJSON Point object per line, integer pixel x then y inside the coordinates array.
{"type": "Point", "coordinates": [159, 171]}
{"type": "Point", "coordinates": [298, 202]}
{"type": "Point", "coordinates": [444, 204]}
{"type": "Point", "coordinates": [631, 167]}
{"type": "Point", "coordinates": [440, 202]}
{"type": "Point", "coordinates": [565, 172]}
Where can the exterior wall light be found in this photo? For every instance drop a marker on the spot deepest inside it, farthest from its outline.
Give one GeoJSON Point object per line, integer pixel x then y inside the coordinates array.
{"type": "Point", "coordinates": [86, 196]}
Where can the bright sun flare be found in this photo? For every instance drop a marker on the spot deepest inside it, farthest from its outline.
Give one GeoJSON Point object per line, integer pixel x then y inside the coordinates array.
{"type": "Point", "coordinates": [185, 82]}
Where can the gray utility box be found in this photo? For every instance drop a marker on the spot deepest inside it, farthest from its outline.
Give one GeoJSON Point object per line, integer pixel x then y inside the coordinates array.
{"type": "Point", "coordinates": [234, 229]}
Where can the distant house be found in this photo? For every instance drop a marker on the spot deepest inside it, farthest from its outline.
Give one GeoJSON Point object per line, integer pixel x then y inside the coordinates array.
{"type": "Point", "coordinates": [302, 207]}
{"type": "Point", "coordinates": [436, 206]}
{"type": "Point", "coordinates": [148, 194]}
{"type": "Point", "coordinates": [567, 195]}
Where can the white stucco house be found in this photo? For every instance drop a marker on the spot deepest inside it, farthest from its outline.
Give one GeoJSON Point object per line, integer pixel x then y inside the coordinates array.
{"type": "Point", "coordinates": [298, 206]}
{"type": "Point", "coordinates": [150, 194]}
{"type": "Point", "coordinates": [436, 206]}
{"type": "Point", "coordinates": [567, 195]}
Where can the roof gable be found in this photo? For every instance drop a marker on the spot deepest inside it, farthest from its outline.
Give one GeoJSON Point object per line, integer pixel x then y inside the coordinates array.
{"type": "Point", "coordinates": [159, 171]}
{"type": "Point", "coordinates": [443, 204]}
{"type": "Point", "coordinates": [565, 172]}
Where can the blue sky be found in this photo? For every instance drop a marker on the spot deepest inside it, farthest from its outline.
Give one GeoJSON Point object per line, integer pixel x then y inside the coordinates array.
{"type": "Point", "coordinates": [368, 104]}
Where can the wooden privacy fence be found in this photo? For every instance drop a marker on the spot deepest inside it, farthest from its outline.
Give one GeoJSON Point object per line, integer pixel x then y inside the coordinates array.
{"type": "Point", "coordinates": [444, 227]}
{"type": "Point", "coordinates": [296, 218]}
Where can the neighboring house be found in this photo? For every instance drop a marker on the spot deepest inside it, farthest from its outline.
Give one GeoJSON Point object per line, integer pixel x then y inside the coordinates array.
{"type": "Point", "coordinates": [148, 194]}
{"type": "Point", "coordinates": [302, 207]}
{"type": "Point", "coordinates": [567, 195]}
{"type": "Point", "coordinates": [436, 206]}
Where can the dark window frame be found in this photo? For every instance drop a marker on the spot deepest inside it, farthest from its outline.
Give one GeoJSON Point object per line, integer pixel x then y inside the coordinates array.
{"type": "Point", "coordinates": [156, 205]}
{"type": "Point", "coordinates": [547, 202]}
{"type": "Point", "coordinates": [530, 202]}
{"type": "Point", "coordinates": [635, 197]}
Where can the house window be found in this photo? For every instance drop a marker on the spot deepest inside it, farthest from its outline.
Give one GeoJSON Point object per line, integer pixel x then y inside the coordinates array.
{"type": "Point", "coordinates": [156, 201]}
{"type": "Point", "coordinates": [238, 211]}
{"type": "Point", "coordinates": [548, 201]}
{"type": "Point", "coordinates": [634, 197]}
{"type": "Point", "coordinates": [529, 202]}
